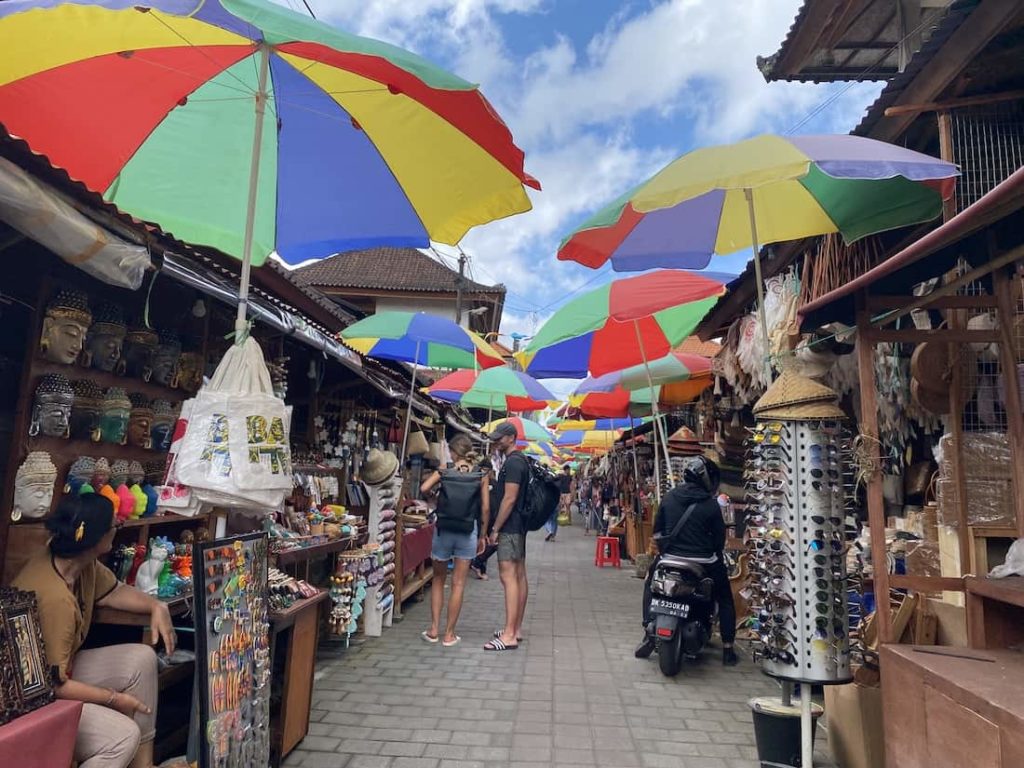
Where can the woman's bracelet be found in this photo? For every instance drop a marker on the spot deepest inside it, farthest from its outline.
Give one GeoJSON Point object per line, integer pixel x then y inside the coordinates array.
{"type": "Point", "coordinates": [111, 698]}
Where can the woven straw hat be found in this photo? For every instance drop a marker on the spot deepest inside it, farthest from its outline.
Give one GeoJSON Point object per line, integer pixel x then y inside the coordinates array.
{"type": "Point", "coordinates": [793, 397]}
{"type": "Point", "coordinates": [804, 411]}
{"type": "Point", "coordinates": [378, 467]}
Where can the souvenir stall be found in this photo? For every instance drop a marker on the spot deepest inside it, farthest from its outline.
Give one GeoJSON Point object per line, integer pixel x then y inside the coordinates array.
{"type": "Point", "coordinates": [965, 331]}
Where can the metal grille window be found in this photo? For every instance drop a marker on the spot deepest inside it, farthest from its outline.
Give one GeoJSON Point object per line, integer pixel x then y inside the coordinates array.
{"type": "Point", "coordinates": [988, 145]}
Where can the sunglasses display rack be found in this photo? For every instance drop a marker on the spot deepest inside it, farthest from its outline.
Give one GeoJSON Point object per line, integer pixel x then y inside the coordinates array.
{"type": "Point", "coordinates": [383, 522]}
{"type": "Point", "coordinates": [796, 488]}
{"type": "Point", "coordinates": [233, 651]}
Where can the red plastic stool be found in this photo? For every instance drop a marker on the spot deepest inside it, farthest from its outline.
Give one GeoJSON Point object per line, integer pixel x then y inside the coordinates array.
{"type": "Point", "coordinates": [612, 558]}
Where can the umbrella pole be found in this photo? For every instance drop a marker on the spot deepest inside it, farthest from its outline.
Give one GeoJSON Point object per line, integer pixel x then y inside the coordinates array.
{"type": "Point", "coordinates": [637, 506]}
{"type": "Point", "coordinates": [654, 411]}
{"type": "Point", "coordinates": [408, 411]}
{"type": "Point", "coordinates": [263, 52]}
{"type": "Point", "coordinates": [749, 193]}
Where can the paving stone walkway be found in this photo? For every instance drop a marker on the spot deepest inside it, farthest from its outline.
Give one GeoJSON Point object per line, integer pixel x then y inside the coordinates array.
{"type": "Point", "coordinates": [571, 695]}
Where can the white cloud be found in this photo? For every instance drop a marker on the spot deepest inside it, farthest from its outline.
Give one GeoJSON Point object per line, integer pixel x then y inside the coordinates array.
{"type": "Point", "coordinates": [578, 109]}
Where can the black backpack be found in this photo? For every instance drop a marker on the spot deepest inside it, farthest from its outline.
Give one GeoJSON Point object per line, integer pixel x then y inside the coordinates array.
{"type": "Point", "coordinates": [540, 499]}
{"type": "Point", "coordinates": [458, 501]}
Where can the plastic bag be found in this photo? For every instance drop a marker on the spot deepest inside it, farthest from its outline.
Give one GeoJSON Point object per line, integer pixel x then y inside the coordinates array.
{"type": "Point", "coordinates": [236, 448]}
{"type": "Point", "coordinates": [173, 495]}
{"type": "Point", "coordinates": [1014, 565]}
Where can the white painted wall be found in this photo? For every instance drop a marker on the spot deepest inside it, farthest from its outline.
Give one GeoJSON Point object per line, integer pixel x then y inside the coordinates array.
{"type": "Point", "coordinates": [441, 307]}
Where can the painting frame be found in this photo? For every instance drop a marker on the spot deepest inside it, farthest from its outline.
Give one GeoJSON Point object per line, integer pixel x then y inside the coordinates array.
{"type": "Point", "coordinates": [25, 680]}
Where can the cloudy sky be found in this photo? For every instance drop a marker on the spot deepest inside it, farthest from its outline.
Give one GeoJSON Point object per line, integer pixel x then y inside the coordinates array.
{"type": "Point", "coordinates": [600, 94]}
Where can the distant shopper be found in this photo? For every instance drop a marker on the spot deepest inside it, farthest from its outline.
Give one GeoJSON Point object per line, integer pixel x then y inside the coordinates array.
{"type": "Point", "coordinates": [463, 512]}
{"type": "Point", "coordinates": [565, 489]}
{"type": "Point", "coordinates": [510, 535]}
{"type": "Point", "coordinates": [479, 565]}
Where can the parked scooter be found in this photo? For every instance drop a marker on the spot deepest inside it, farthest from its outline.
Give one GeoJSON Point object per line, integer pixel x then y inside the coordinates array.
{"type": "Point", "coordinates": [681, 611]}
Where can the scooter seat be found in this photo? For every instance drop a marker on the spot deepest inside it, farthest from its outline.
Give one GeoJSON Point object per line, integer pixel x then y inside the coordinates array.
{"type": "Point", "coordinates": [674, 561]}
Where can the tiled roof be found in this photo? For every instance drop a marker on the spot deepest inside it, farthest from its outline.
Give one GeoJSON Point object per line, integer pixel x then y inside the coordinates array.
{"type": "Point", "coordinates": [694, 346]}
{"type": "Point", "coordinates": [394, 269]}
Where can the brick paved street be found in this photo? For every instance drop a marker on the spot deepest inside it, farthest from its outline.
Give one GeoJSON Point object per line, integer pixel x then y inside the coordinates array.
{"type": "Point", "coordinates": [571, 695]}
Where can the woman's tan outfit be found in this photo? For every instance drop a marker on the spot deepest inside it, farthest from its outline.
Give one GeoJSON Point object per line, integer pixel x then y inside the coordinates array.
{"type": "Point", "coordinates": [106, 738]}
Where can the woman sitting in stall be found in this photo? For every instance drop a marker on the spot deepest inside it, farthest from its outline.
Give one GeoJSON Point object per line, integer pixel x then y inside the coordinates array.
{"type": "Point", "coordinates": [117, 683]}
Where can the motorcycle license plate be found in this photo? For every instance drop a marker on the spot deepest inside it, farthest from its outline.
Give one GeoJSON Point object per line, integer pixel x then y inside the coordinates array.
{"type": "Point", "coordinates": [670, 608]}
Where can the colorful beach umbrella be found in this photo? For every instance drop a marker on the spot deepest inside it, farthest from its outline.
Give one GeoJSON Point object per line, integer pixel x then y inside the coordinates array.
{"type": "Point", "coordinates": [673, 367]}
{"type": "Point", "coordinates": [588, 440]}
{"type": "Point", "coordinates": [601, 424]}
{"type": "Point", "coordinates": [606, 397]}
{"type": "Point", "coordinates": [621, 324]}
{"type": "Point", "coordinates": [767, 189]}
{"type": "Point", "coordinates": [244, 126]}
{"type": "Point", "coordinates": [420, 339]}
{"type": "Point", "coordinates": [499, 389]}
{"type": "Point", "coordinates": [425, 340]}
{"type": "Point", "coordinates": [526, 429]}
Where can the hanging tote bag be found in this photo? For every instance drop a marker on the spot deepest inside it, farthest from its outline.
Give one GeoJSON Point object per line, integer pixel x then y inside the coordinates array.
{"type": "Point", "coordinates": [236, 447]}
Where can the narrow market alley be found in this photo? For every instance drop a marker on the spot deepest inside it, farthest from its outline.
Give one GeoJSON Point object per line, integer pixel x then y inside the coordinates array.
{"type": "Point", "coordinates": [571, 695]}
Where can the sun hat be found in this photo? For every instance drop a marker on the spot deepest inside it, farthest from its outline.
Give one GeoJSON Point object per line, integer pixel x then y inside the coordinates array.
{"type": "Point", "coordinates": [378, 467]}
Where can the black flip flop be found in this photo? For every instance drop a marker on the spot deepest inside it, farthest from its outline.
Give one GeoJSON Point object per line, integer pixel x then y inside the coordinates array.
{"type": "Point", "coordinates": [497, 633]}
{"type": "Point", "coordinates": [495, 644]}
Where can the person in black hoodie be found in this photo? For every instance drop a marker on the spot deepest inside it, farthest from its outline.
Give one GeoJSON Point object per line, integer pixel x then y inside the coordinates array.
{"type": "Point", "coordinates": [702, 536]}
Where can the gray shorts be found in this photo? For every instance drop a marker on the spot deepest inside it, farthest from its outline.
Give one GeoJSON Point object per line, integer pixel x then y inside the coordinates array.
{"type": "Point", "coordinates": [511, 547]}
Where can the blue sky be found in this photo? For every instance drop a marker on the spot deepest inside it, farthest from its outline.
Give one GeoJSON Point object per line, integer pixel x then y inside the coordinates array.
{"type": "Point", "coordinates": [599, 95]}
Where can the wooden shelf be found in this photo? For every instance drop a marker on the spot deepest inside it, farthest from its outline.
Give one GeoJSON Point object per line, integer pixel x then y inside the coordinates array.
{"type": "Point", "coordinates": [415, 584]}
{"type": "Point", "coordinates": [150, 389]}
{"type": "Point", "coordinates": [59, 448]}
{"type": "Point", "coordinates": [1009, 590]}
{"type": "Point", "coordinates": [317, 550]}
{"type": "Point", "coordinates": [283, 619]}
{"type": "Point", "coordinates": [157, 520]}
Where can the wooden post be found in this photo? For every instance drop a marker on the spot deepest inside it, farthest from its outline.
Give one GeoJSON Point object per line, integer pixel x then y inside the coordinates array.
{"type": "Point", "coordinates": [947, 154]}
{"type": "Point", "coordinates": [956, 408]}
{"type": "Point", "coordinates": [876, 502]}
{"type": "Point", "coordinates": [1011, 385]}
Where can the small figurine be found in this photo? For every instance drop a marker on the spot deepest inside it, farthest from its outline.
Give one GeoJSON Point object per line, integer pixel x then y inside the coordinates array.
{"type": "Point", "coordinates": [106, 339]}
{"type": "Point", "coordinates": [80, 475]}
{"type": "Point", "coordinates": [101, 484]}
{"type": "Point", "coordinates": [140, 420]}
{"type": "Point", "coordinates": [190, 372]}
{"type": "Point", "coordinates": [136, 476]}
{"type": "Point", "coordinates": [33, 486]}
{"type": "Point", "coordinates": [162, 427]}
{"type": "Point", "coordinates": [137, 560]}
{"type": "Point", "coordinates": [65, 326]}
{"type": "Point", "coordinates": [119, 482]}
{"type": "Point", "coordinates": [114, 414]}
{"type": "Point", "coordinates": [51, 411]}
{"type": "Point", "coordinates": [85, 410]}
{"type": "Point", "coordinates": [148, 577]}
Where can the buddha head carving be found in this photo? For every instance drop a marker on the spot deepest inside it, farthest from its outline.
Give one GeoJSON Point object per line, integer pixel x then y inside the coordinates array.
{"type": "Point", "coordinates": [100, 473]}
{"type": "Point", "coordinates": [114, 414]}
{"type": "Point", "coordinates": [190, 371]}
{"type": "Point", "coordinates": [51, 411]}
{"type": "Point", "coordinates": [33, 486]}
{"type": "Point", "coordinates": [65, 326]}
{"type": "Point", "coordinates": [85, 410]}
{"type": "Point", "coordinates": [119, 473]}
{"type": "Point", "coordinates": [139, 348]}
{"type": "Point", "coordinates": [106, 339]}
{"type": "Point", "coordinates": [136, 473]}
{"type": "Point", "coordinates": [165, 361]}
{"type": "Point", "coordinates": [140, 421]}
{"type": "Point", "coordinates": [155, 472]}
{"type": "Point", "coordinates": [80, 473]}
{"type": "Point", "coordinates": [162, 429]}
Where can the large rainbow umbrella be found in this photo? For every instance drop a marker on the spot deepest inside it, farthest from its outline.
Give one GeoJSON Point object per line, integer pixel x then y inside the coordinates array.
{"type": "Point", "coordinates": [247, 127]}
{"type": "Point", "coordinates": [673, 367]}
{"type": "Point", "coordinates": [420, 339]}
{"type": "Point", "coordinates": [768, 189]}
{"type": "Point", "coordinates": [623, 323]}
{"type": "Point", "coordinates": [500, 389]}
{"type": "Point", "coordinates": [601, 424]}
{"type": "Point", "coordinates": [526, 429]}
{"type": "Point", "coordinates": [588, 440]}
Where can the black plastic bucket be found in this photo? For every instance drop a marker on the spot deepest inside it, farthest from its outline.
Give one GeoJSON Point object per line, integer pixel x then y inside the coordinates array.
{"type": "Point", "coordinates": [777, 732]}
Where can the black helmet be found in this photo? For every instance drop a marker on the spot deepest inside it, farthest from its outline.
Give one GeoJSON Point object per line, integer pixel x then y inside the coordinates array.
{"type": "Point", "coordinates": [702, 472]}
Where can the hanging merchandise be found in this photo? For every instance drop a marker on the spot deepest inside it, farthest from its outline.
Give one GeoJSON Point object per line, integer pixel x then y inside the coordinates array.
{"type": "Point", "coordinates": [233, 652]}
{"type": "Point", "coordinates": [797, 474]}
{"type": "Point", "coordinates": [236, 451]}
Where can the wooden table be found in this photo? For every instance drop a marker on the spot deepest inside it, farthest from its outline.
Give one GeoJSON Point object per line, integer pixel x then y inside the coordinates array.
{"type": "Point", "coordinates": [294, 634]}
{"type": "Point", "coordinates": [995, 611]}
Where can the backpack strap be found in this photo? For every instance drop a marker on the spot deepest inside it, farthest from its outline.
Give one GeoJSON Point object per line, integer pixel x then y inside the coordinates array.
{"type": "Point", "coordinates": [683, 518]}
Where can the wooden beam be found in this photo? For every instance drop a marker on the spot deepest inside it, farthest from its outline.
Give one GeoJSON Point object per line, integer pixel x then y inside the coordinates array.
{"type": "Point", "coordinates": [1011, 387]}
{"type": "Point", "coordinates": [951, 104]}
{"type": "Point", "coordinates": [915, 336]}
{"type": "Point", "coordinates": [927, 583]}
{"type": "Point", "coordinates": [962, 47]}
{"type": "Point", "coordinates": [956, 322]}
{"type": "Point", "coordinates": [876, 502]}
{"type": "Point", "coordinates": [946, 153]}
{"type": "Point", "coordinates": [956, 301]}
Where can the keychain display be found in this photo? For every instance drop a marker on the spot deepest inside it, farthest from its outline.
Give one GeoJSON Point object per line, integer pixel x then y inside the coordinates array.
{"type": "Point", "coordinates": [233, 650]}
{"type": "Point", "coordinates": [799, 483]}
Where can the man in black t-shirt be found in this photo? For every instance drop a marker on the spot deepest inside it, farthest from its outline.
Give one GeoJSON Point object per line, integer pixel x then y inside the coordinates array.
{"type": "Point", "coordinates": [509, 534]}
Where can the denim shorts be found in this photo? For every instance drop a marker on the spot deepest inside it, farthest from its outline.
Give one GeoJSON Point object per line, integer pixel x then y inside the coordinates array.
{"type": "Point", "coordinates": [449, 544]}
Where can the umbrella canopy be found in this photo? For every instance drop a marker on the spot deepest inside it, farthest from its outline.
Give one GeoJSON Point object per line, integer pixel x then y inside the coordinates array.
{"type": "Point", "coordinates": [499, 388]}
{"type": "Point", "coordinates": [621, 324]}
{"type": "Point", "coordinates": [600, 424]}
{"type": "Point", "coordinates": [605, 396]}
{"type": "Point", "coordinates": [800, 186]}
{"type": "Point", "coordinates": [590, 439]}
{"type": "Point", "coordinates": [421, 339]}
{"type": "Point", "coordinates": [675, 366]}
{"type": "Point", "coordinates": [526, 429]}
{"type": "Point", "coordinates": [159, 106]}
